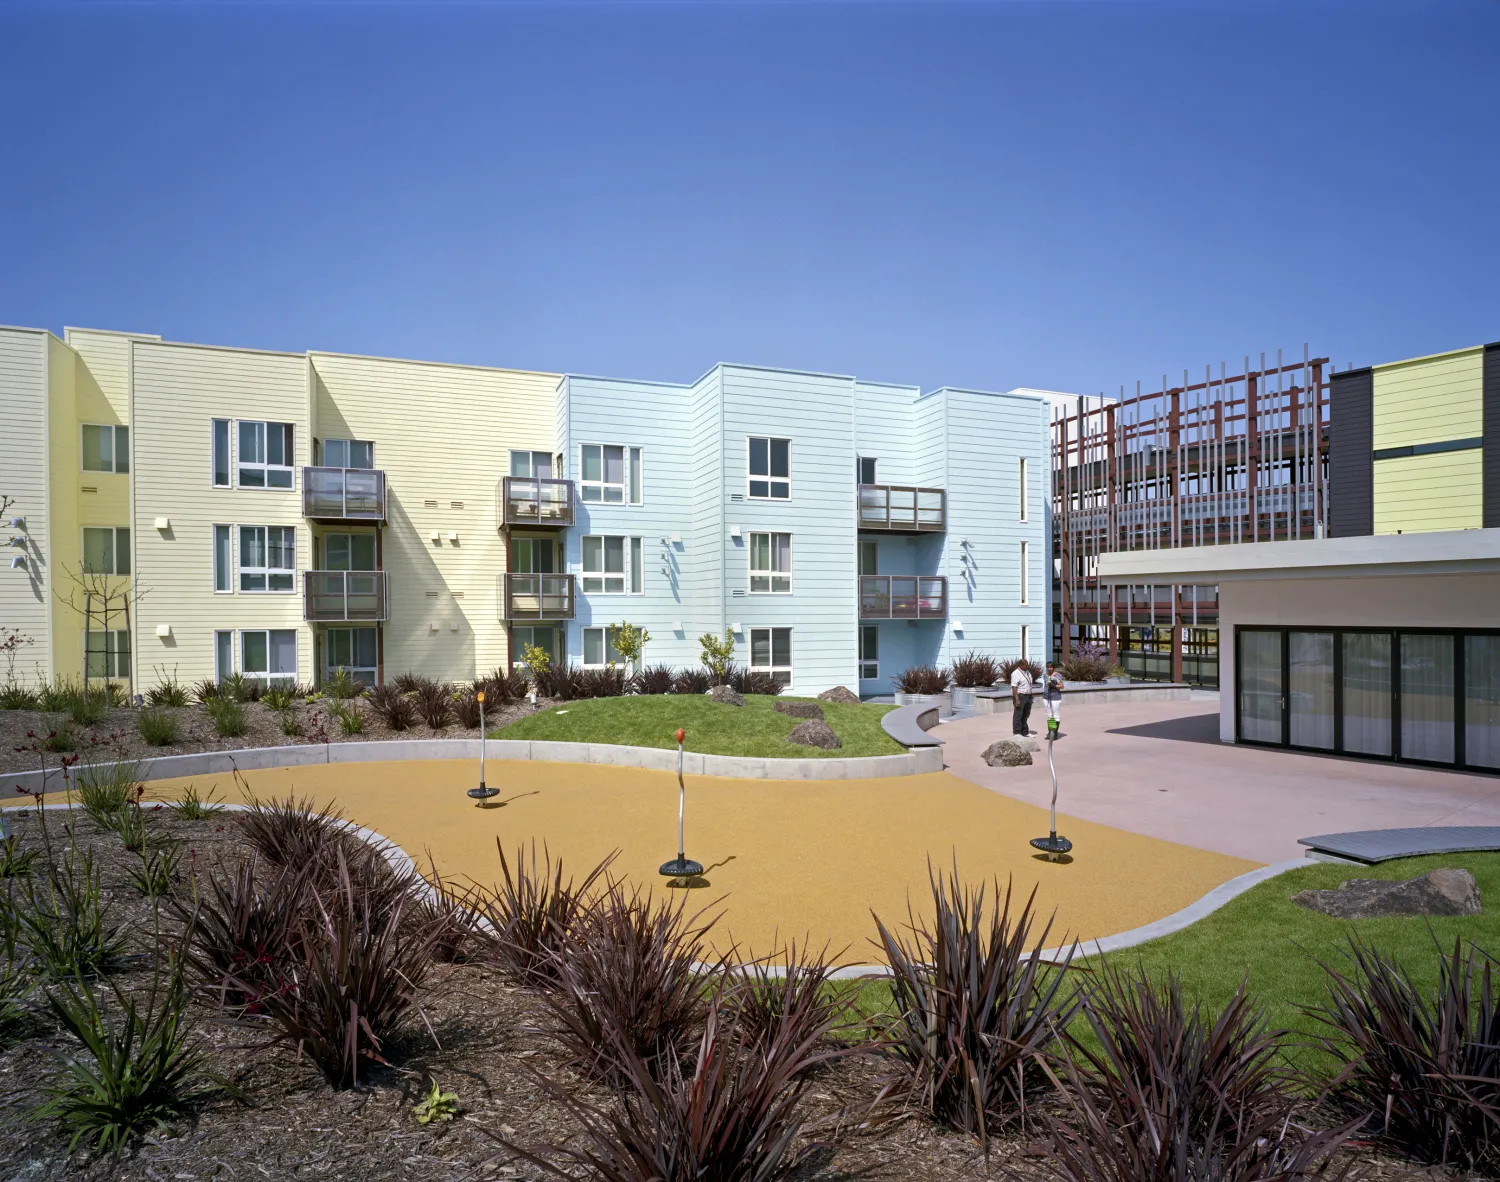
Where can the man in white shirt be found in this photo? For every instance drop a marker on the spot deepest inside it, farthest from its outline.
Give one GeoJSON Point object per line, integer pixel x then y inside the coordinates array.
{"type": "Point", "coordinates": [1020, 697]}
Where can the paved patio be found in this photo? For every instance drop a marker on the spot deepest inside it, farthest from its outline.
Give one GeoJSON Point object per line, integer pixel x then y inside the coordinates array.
{"type": "Point", "coordinates": [1158, 769]}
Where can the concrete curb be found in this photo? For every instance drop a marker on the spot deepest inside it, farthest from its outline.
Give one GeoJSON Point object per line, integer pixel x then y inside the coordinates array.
{"type": "Point", "coordinates": [206, 763]}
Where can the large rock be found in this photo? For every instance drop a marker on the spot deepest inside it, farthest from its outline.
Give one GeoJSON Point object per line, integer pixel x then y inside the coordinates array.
{"type": "Point", "coordinates": [1438, 892]}
{"type": "Point", "coordinates": [1007, 753]}
{"type": "Point", "coordinates": [725, 696]}
{"type": "Point", "coordinates": [798, 709]}
{"type": "Point", "coordinates": [814, 733]}
{"type": "Point", "coordinates": [839, 695]}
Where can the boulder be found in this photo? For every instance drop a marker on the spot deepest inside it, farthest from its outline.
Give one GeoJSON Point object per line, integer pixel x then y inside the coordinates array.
{"type": "Point", "coordinates": [1007, 753]}
{"type": "Point", "coordinates": [725, 696]}
{"type": "Point", "coordinates": [798, 709]}
{"type": "Point", "coordinates": [814, 733]}
{"type": "Point", "coordinates": [1438, 892]}
{"type": "Point", "coordinates": [840, 696]}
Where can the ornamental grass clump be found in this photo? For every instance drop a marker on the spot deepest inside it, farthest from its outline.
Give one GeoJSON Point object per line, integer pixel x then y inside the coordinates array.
{"type": "Point", "coordinates": [168, 692]}
{"type": "Point", "coordinates": [1421, 1069]}
{"type": "Point", "coordinates": [158, 726]}
{"type": "Point", "coordinates": [1010, 666]}
{"type": "Point", "coordinates": [65, 922]}
{"type": "Point", "coordinates": [227, 715]}
{"type": "Point", "coordinates": [107, 788]}
{"type": "Point", "coordinates": [194, 806]}
{"type": "Point", "coordinates": [975, 670]}
{"type": "Point", "coordinates": [751, 681]}
{"type": "Point", "coordinates": [978, 1008]}
{"type": "Point", "coordinates": [1155, 1089]}
{"type": "Point", "coordinates": [394, 708]}
{"type": "Point", "coordinates": [466, 705]}
{"type": "Point", "coordinates": [291, 832]}
{"type": "Point", "coordinates": [922, 679]}
{"type": "Point", "coordinates": [1087, 662]}
{"type": "Point", "coordinates": [767, 993]}
{"type": "Point", "coordinates": [692, 681]}
{"type": "Point", "coordinates": [654, 679]}
{"type": "Point", "coordinates": [435, 704]}
{"type": "Point", "coordinates": [347, 714]}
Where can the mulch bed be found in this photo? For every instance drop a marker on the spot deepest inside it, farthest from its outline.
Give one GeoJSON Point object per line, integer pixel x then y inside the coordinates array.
{"type": "Point", "coordinates": [285, 1121]}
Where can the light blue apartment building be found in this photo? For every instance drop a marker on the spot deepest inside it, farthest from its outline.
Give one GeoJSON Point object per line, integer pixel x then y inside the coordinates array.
{"type": "Point", "coordinates": [842, 530]}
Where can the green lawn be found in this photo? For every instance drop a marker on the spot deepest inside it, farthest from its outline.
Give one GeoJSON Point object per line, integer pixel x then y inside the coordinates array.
{"type": "Point", "coordinates": [754, 729]}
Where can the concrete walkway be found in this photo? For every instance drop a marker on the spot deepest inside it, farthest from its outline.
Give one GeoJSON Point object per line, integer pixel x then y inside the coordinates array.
{"type": "Point", "coordinates": [1158, 769]}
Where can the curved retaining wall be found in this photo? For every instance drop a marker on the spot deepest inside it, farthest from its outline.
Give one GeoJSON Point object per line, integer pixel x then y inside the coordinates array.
{"type": "Point", "coordinates": [928, 759]}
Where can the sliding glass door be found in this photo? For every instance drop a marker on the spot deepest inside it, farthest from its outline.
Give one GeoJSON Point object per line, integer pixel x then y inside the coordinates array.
{"type": "Point", "coordinates": [1482, 701]}
{"type": "Point", "coordinates": [1366, 686]}
{"type": "Point", "coordinates": [1427, 705]}
{"type": "Point", "coordinates": [1310, 680]}
{"type": "Point", "coordinates": [1259, 677]}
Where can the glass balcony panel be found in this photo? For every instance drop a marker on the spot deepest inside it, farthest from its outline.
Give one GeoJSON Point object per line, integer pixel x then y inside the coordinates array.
{"type": "Point", "coordinates": [531, 500]}
{"type": "Point", "coordinates": [335, 596]}
{"type": "Point", "coordinates": [343, 494]}
{"type": "Point", "coordinates": [902, 508]}
{"type": "Point", "coordinates": [538, 596]}
{"type": "Point", "coordinates": [903, 597]}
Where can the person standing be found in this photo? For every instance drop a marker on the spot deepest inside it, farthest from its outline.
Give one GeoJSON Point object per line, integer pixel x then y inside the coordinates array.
{"type": "Point", "coordinates": [1021, 686]}
{"type": "Point", "coordinates": [1052, 691]}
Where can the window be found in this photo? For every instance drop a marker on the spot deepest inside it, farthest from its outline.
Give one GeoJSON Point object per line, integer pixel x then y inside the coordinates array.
{"type": "Point", "coordinates": [869, 652]}
{"type": "Point", "coordinates": [355, 651]}
{"type": "Point", "coordinates": [106, 449]}
{"type": "Point", "coordinates": [109, 654]}
{"type": "Point", "coordinates": [867, 469]}
{"type": "Point", "coordinates": [599, 649]}
{"type": "Point", "coordinates": [221, 453]}
{"type": "Point", "coordinates": [265, 459]}
{"type": "Point", "coordinates": [1025, 572]}
{"type": "Point", "coordinates": [545, 638]}
{"type": "Point", "coordinates": [223, 655]}
{"type": "Point", "coordinates": [346, 453]}
{"type": "Point", "coordinates": [268, 557]}
{"type": "Point", "coordinates": [106, 551]}
{"type": "Point", "coordinates": [611, 474]}
{"type": "Point", "coordinates": [1023, 488]}
{"type": "Point", "coordinates": [349, 552]}
{"type": "Point", "coordinates": [223, 559]}
{"type": "Point", "coordinates": [1026, 642]}
{"type": "Point", "coordinates": [532, 556]}
{"type": "Point", "coordinates": [770, 468]}
{"type": "Point", "coordinates": [269, 655]}
{"type": "Point", "coordinates": [869, 558]}
{"type": "Point", "coordinates": [604, 565]}
{"type": "Point", "coordinates": [771, 652]}
{"type": "Point", "coordinates": [531, 464]}
{"type": "Point", "coordinates": [770, 563]}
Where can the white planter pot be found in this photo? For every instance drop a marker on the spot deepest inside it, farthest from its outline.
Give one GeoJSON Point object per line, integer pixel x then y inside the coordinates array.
{"type": "Point", "coordinates": [943, 701]}
{"type": "Point", "coordinates": [963, 697]}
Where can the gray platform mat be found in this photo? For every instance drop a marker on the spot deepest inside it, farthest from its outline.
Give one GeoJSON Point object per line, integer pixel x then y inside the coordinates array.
{"type": "Point", "coordinates": [1380, 845]}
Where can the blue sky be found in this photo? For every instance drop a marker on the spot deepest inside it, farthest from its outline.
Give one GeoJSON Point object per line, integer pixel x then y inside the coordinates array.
{"type": "Point", "coordinates": [1070, 195]}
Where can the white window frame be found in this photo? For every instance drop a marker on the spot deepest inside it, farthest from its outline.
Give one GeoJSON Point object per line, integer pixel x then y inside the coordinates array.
{"type": "Point", "coordinates": [770, 580]}
{"type": "Point", "coordinates": [224, 586]}
{"type": "Point", "coordinates": [1025, 499]}
{"type": "Point", "coordinates": [223, 639]}
{"type": "Point", "coordinates": [324, 562]}
{"type": "Point", "coordinates": [264, 466]}
{"type": "Point", "coordinates": [869, 667]}
{"type": "Point", "coordinates": [348, 444]}
{"type": "Point", "coordinates": [1025, 642]}
{"type": "Point", "coordinates": [631, 575]}
{"type": "Point", "coordinates": [520, 632]}
{"type": "Point", "coordinates": [115, 448]}
{"type": "Point", "coordinates": [116, 549]}
{"type": "Point", "coordinates": [768, 480]}
{"type": "Point", "coordinates": [213, 453]}
{"type": "Point", "coordinates": [606, 646]}
{"type": "Point", "coordinates": [1025, 573]}
{"type": "Point", "coordinates": [358, 672]}
{"type": "Point", "coordinates": [531, 455]}
{"type": "Point", "coordinates": [115, 650]}
{"type": "Point", "coordinates": [774, 669]}
{"type": "Point", "coordinates": [873, 550]}
{"type": "Point", "coordinates": [266, 572]}
{"type": "Point", "coordinates": [859, 473]}
{"type": "Point", "coordinates": [268, 677]}
{"type": "Point", "coordinates": [631, 485]}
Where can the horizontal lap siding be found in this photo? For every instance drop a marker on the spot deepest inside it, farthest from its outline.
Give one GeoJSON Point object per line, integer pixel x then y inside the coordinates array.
{"type": "Point", "coordinates": [657, 419]}
{"type": "Point", "coordinates": [704, 544]}
{"type": "Point", "coordinates": [1428, 401]}
{"type": "Point", "coordinates": [176, 391]}
{"type": "Point", "coordinates": [882, 429]}
{"type": "Point", "coordinates": [817, 414]}
{"type": "Point", "coordinates": [1416, 494]}
{"type": "Point", "coordinates": [442, 433]}
{"type": "Point", "coordinates": [25, 595]}
{"type": "Point", "coordinates": [104, 376]}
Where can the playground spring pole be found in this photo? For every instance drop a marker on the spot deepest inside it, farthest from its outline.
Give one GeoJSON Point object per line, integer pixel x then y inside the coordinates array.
{"type": "Point", "coordinates": [482, 794]}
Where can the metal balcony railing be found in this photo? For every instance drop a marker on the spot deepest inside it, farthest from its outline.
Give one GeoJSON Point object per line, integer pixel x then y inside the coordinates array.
{"type": "Point", "coordinates": [903, 508]}
{"type": "Point", "coordinates": [334, 596]}
{"type": "Point", "coordinates": [537, 597]}
{"type": "Point", "coordinates": [343, 494]}
{"type": "Point", "coordinates": [536, 501]}
{"type": "Point", "coordinates": [903, 597]}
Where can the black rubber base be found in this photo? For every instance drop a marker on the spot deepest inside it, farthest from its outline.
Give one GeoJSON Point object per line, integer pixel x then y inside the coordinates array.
{"type": "Point", "coordinates": [483, 793]}
{"type": "Point", "coordinates": [681, 868]}
{"type": "Point", "coordinates": [1051, 845]}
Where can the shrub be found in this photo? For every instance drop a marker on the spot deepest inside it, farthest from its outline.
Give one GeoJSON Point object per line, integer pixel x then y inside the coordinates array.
{"type": "Point", "coordinates": [764, 999]}
{"type": "Point", "coordinates": [157, 873]}
{"type": "Point", "coordinates": [340, 685]}
{"type": "Point", "coordinates": [466, 706]}
{"type": "Point", "coordinates": [291, 832]}
{"type": "Point", "coordinates": [56, 697]}
{"type": "Point", "coordinates": [130, 824]}
{"type": "Point", "coordinates": [609, 682]}
{"type": "Point", "coordinates": [60, 738]}
{"type": "Point", "coordinates": [87, 707]}
{"type": "Point", "coordinates": [1088, 662]}
{"type": "Point", "coordinates": [139, 1064]}
{"type": "Point", "coordinates": [206, 691]}
{"type": "Point", "coordinates": [237, 687]}
{"type": "Point", "coordinates": [158, 726]}
{"type": "Point", "coordinates": [435, 704]}
{"type": "Point", "coordinates": [921, 679]}
{"type": "Point", "coordinates": [227, 715]}
{"type": "Point", "coordinates": [167, 692]}
{"type": "Point", "coordinates": [508, 687]}
{"type": "Point", "coordinates": [1010, 666]}
{"type": "Point", "coordinates": [692, 681]}
{"type": "Point", "coordinates": [976, 1007]}
{"type": "Point", "coordinates": [449, 912]}
{"type": "Point", "coordinates": [291, 725]}
{"type": "Point", "coordinates": [15, 696]}
{"type": "Point", "coordinates": [393, 707]}
{"type": "Point", "coordinates": [280, 697]}
{"type": "Point", "coordinates": [15, 968]}
{"type": "Point", "coordinates": [193, 807]}
{"type": "Point", "coordinates": [412, 683]}
{"type": "Point", "coordinates": [529, 914]}
{"type": "Point", "coordinates": [654, 679]}
{"type": "Point", "coordinates": [15, 862]}
{"type": "Point", "coordinates": [65, 921]}
{"type": "Point", "coordinates": [1157, 1090]}
{"type": "Point", "coordinates": [630, 978]}
{"type": "Point", "coordinates": [1425, 1068]}
{"type": "Point", "coordinates": [758, 682]}
{"type": "Point", "coordinates": [346, 712]}
{"type": "Point", "coordinates": [717, 656]}
{"type": "Point", "coordinates": [975, 671]}
{"type": "Point", "coordinates": [106, 788]}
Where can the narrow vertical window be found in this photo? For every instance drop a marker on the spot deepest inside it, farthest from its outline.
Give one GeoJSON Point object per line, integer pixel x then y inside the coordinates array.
{"type": "Point", "coordinates": [867, 469]}
{"type": "Point", "coordinates": [869, 652]}
{"type": "Point", "coordinates": [223, 655]}
{"type": "Point", "coordinates": [1025, 572]}
{"type": "Point", "coordinates": [635, 476]}
{"type": "Point", "coordinates": [1023, 489]}
{"type": "Point", "coordinates": [637, 563]}
{"type": "Point", "coordinates": [122, 449]}
{"type": "Point", "coordinates": [221, 453]}
{"type": "Point", "coordinates": [1025, 642]}
{"type": "Point", "coordinates": [223, 559]}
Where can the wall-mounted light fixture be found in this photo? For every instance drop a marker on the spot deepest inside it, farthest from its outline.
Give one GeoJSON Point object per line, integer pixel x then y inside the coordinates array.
{"type": "Point", "coordinates": [18, 562]}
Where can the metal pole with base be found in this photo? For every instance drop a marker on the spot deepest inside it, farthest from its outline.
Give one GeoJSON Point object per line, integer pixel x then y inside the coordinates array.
{"type": "Point", "coordinates": [681, 866]}
{"type": "Point", "coordinates": [482, 794]}
{"type": "Point", "coordinates": [1053, 846]}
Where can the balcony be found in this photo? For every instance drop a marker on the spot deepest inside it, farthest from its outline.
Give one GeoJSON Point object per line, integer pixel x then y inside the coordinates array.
{"type": "Point", "coordinates": [337, 596]}
{"type": "Point", "coordinates": [902, 509]}
{"type": "Point", "coordinates": [537, 597]}
{"type": "Point", "coordinates": [903, 597]}
{"type": "Point", "coordinates": [536, 501]}
{"type": "Point", "coordinates": [343, 494]}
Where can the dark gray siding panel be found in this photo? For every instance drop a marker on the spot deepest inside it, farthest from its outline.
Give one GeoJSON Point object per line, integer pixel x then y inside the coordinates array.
{"type": "Point", "coordinates": [1492, 436]}
{"type": "Point", "coordinates": [1351, 461]}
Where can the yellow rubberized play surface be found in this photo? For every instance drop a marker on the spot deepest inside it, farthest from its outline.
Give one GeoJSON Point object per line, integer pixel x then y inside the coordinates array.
{"type": "Point", "coordinates": [786, 859]}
